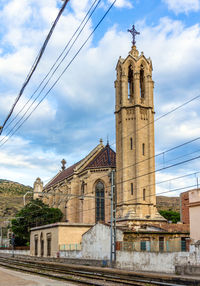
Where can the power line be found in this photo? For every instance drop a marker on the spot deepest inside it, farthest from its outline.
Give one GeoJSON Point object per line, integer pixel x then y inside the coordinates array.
{"type": "Point", "coordinates": [88, 15]}
{"type": "Point", "coordinates": [149, 158]}
{"type": "Point", "coordinates": [173, 190]}
{"type": "Point", "coordinates": [35, 64]}
{"type": "Point", "coordinates": [132, 199]}
{"type": "Point", "coordinates": [108, 10]}
{"type": "Point", "coordinates": [162, 116]}
{"type": "Point", "coordinates": [161, 169]}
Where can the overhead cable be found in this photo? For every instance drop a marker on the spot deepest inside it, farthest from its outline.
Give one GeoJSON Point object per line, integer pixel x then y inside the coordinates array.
{"type": "Point", "coordinates": [35, 64]}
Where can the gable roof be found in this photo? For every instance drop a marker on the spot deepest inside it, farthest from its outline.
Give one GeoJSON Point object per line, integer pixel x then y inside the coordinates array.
{"type": "Point", "coordinates": [104, 158]}
{"type": "Point", "coordinates": [62, 175]}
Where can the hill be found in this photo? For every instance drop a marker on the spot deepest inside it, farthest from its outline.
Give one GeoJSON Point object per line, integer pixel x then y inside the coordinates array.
{"type": "Point", "coordinates": [168, 203]}
{"type": "Point", "coordinates": [11, 197]}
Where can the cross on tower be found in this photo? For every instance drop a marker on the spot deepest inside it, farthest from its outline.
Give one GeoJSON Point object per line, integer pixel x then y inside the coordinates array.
{"type": "Point", "coordinates": [134, 33]}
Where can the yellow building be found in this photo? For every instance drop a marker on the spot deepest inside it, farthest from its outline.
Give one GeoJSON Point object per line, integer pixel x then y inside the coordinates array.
{"type": "Point", "coordinates": [135, 162]}
{"type": "Point", "coordinates": [46, 239]}
{"type": "Point", "coordinates": [82, 191]}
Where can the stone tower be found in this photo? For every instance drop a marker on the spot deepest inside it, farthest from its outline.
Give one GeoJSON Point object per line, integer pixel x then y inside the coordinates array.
{"type": "Point", "coordinates": [37, 189]}
{"type": "Point", "coordinates": [135, 162]}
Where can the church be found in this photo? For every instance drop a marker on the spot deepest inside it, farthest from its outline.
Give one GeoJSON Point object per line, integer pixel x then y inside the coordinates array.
{"type": "Point", "coordinates": [83, 190]}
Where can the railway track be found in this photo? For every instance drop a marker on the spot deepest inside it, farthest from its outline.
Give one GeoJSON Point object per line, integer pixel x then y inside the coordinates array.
{"type": "Point", "coordinates": [84, 275]}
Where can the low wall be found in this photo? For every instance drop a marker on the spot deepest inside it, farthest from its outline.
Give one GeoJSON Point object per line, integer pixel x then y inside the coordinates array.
{"type": "Point", "coordinates": [70, 254]}
{"type": "Point", "coordinates": [17, 252]}
{"type": "Point", "coordinates": [149, 261]}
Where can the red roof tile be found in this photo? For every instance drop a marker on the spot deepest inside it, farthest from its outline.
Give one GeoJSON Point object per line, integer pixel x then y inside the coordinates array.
{"type": "Point", "coordinates": [105, 158]}
{"type": "Point", "coordinates": [62, 175]}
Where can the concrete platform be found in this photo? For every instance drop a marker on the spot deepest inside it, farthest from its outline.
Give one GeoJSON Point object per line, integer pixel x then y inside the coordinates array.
{"type": "Point", "coordinates": [15, 278]}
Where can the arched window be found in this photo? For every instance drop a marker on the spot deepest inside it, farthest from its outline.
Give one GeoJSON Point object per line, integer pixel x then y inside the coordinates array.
{"type": "Point", "coordinates": [100, 203]}
{"type": "Point", "coordinates": [82, 190]}
{"type": "Point", "coordinates": [142, 87]}
{"type": "Point", "coordinates": [130, 82]}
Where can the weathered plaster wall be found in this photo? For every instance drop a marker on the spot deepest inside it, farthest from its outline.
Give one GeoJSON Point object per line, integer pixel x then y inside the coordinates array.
{"type": "Point", "coordinates": [159, 262]}
{"type": "Point", "coordinates": [96, 242]}
{"type": "Point", "coordinates": [147, 261]}
{"type": "Point", "coordinates": [16, 252]}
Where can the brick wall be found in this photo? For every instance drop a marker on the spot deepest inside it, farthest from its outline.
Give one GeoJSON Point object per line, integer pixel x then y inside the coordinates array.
{"type": "Point", "coordinates": [184, 208]}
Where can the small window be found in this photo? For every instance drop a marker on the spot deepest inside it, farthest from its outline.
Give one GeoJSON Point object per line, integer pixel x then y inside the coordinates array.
{"type": "Point", "coordinates": [36, 245]}
{"type": "Point", "coordinates": [48, 244]}
{"type": "Point", "coordinates": [183, 244]}
{"type": "Point", "coordinates": [131, 143]}
{"type": "Point", "coordinates": [144, 194]}
{"type": "Point", "coordinates": [143, 246]}
{"type": "Point", "coordinates": [131, 188]}
{"type": "Point", "coordinates": [143, 149]}
{"type": "Point", "coordinates": [161, 243]}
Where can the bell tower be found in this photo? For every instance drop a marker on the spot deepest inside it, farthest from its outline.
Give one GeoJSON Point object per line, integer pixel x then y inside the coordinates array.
{"type": "Point", "coordinates": [134, 115]}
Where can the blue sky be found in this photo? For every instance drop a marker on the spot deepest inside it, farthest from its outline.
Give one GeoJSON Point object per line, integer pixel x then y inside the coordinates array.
{"type": "Point", "coordinates": [80, 109]}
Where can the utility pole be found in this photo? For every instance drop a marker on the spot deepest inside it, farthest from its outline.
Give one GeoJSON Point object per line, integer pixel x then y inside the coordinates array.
{"type": "Point", "coordinates": [113, 221]}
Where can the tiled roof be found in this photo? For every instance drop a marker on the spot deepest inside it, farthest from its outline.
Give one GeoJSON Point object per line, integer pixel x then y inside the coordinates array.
{"type": "Point", "coordinates": [105, 158]}
{"type": "Point", "coordinates": [62, 175]}
{"type": "Point", "coordinates": [173, 227]}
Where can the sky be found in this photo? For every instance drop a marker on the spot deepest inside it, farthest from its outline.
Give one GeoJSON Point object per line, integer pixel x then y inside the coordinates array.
{"type": "Point", "coordinates": [79, 110]}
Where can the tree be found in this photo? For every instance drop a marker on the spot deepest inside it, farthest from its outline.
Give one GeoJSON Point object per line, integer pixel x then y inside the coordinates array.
{"type": "Point", "coordinates": [170, 215]}
{"type": "Point", "coordinates": [35, 213]}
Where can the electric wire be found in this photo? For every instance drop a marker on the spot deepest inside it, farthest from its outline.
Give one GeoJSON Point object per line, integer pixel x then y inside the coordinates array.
{"type": "Point", "coordinates": [146, 159]}
{"type": "Point", "coordinates": [36, 62]}
{"type": "Point", "coordinates": [88, 15]}
{"type": "Point", "coordinates": [53, 85]}
{"type": "Point", "coordinates": [132, 199]}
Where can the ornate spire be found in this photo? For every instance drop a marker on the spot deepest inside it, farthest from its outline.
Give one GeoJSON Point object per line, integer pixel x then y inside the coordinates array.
{"type": "Point", "coordinates": [63, 162]}
{"type": "Point", "coordinates": [133, 33]}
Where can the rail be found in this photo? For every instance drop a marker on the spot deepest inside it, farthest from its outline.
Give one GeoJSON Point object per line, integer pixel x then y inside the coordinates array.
{"type": "Point", "coordinates": [93, 275]}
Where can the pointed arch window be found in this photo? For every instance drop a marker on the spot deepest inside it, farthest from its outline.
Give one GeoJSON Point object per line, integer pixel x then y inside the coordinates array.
{"type": "Point", "coordinates": [130, 82]}
{"type": "Point", "coordinates": [142, 86]}
{"type": "Point", "coordinates": [100, 202]}
{"type": "Point", "coordinates": [82, 190]}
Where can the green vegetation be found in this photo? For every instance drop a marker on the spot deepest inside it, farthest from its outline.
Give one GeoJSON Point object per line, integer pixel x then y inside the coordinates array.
{"type": "Point", "coordinates": [170, 215]}
{"type": "Point", "coordinates": [35, 213]}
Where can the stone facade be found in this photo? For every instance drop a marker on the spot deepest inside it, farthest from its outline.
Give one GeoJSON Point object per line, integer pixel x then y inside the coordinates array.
{"type": "Point", "coordinates": [135, 162]}
{"type": "Point", "coordinates": [75, 190]}
{"type": "Point", "coordinates": [82, 191]}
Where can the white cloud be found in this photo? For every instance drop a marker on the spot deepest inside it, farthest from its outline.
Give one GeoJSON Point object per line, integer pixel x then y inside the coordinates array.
{"type": "Point", "coordinates": [123, 3]}
{"type": "Point", "coordinates": [183, 6]}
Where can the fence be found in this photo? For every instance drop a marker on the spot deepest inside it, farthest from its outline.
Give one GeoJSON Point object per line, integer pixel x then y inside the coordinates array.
{"type": "Point", "coordinates": [70, 247]}
{"type": "Point", "coordinates": [175, 245]}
